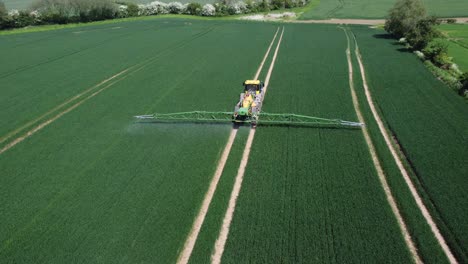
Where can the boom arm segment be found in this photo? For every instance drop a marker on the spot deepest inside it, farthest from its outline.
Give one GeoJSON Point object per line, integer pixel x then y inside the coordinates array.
{"type": "Point", "coordinates": [264, 119]}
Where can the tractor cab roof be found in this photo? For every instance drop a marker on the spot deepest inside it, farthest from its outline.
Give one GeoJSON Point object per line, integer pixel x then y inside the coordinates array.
{"type": "Point", "coordinates": [254, 82]}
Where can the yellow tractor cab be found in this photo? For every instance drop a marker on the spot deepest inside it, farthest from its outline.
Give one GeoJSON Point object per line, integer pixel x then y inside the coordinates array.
{"type": "Point", "coordinates": [250, 103]}
{"type": "Point", "coordinates": [253, 86]}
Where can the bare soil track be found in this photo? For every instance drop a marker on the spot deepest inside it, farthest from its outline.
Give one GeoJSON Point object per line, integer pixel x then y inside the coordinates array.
{"type": "Point", "coordinates": [425, 212]}
{"type": "Point", "coordinates": [223, 235]}
{"type": "Point", "coordinates": [193, 235]}
{"type": "Point", "coordinates": [388, 193]}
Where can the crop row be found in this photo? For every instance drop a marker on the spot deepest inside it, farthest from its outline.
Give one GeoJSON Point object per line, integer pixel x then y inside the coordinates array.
{"type": "Point", "coordinates": [429, 122]}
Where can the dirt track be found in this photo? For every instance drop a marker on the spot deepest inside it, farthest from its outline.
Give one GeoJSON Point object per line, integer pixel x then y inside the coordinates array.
{"type": "Point", "coordinates": [224, 232]}
{"type": "Point", "coordinates": [425, 212]}
{"type": "Point", "coordinates": [378, 167]}
{"type": "Point", "coordinates": [184, 256]}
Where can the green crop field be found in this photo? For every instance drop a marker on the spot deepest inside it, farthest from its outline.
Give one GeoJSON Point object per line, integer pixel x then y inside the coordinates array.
{"type": "Point", "coordinates": [93, 186]}
{"type": "Point", "coordinates": [457, 40]}
{"type": "Point", "coordinates": [378, 9]}
{"type": "Point", "coordinates": [308, 192]}
{"type": "Point", "coordinates": [430, 123]}
{"type": "Point", "coordinates": [81, 181]}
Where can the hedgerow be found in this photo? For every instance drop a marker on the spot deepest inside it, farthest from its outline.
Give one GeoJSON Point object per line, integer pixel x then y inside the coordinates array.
{"type": "Point", "coordinates": [73, 11]}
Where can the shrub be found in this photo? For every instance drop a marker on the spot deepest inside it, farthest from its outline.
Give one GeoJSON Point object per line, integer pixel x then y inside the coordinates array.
{"type": "Point", "coordinates": [250, 5]}
{"type": "Point", "coordinates": [263, 6]}
{"type": "Point", "coordinates": [276, 4]}
{"type": "Point", "coordinates": [122, 11]}
{"type": "Point", "coordinates": [236, 8]}
{"type": "Point", "coordinates": [208, 10]}
{"type": "Point", "coordinates": [420, 55]}
{"type": "Point", "coordinates": [193, 9]}
{"type": "Point", "coordinates": [175, 8]}
{"type": "Point", "coordinates": [437, 52]}
{"type": "Point", "coordinates": [451, 21]}
{"type": "Point", "coordinates": [450, 80]}
{"type": "Point", "coordinates": [133, 10]}
{"type": "Point", "coordinates": [464, 84]}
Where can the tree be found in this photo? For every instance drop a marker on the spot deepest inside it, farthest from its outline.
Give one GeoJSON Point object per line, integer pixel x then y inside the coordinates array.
{"type": "Point", "coordinates": [264, 6]}
{"type": "Point", "coordinates": [3, 10]}
{"type": "Point", "coordinates": [3, 15]}
{"type": "Point", "coordinates": [132, 10]}
{"type": "Point", "coordinates": [194, 9]}
{"type": "Point", "coordinates": [208, 10]}
{"type": "Point", "coordinates": [404, 16]}
{"type": "Point", "coordinates": [422, 33]}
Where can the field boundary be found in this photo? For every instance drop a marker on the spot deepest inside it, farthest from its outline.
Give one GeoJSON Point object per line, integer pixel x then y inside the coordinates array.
{"type": "Point", "coordinates": [224, 232]}
{"type": "Point", "coordinates": [189, 244]}
{"type": "Point", "coordinates": [380, 172]}
{"type": "Point", "coordinates": [419, 202]}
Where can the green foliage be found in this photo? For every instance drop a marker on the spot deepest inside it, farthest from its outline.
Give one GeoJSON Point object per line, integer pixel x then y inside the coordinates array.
{"type": "Point", "coordinates": [132, 10]}
{"type": "Point", "coordinates": [3, 15]}
{"type": "Point", "coordinates": [117, 190]}
{"type": "Point", "coordinates": [464, 81]}
{"type": "Point", "coordinates": [277, 4]}
{"type": "Point", "coordinates": [422, 33]}
{"type": "Point", "coordinates": [263, 6]}
{"type": "Point", "coordinates": [194, 9]}
{"type": "Point", "coordinates": [3, 10]}
{"type": "Point", "coordinates": [451, 21]}
{"type": "Point", "coordinates": [437, 52]}
{"type": "Point", "coordinates": [280, 4]}
{"type": "Point", "coordinates": [404, 16]}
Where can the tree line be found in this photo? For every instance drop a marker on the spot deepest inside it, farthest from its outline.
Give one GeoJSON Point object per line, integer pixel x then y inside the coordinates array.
{"type": "Point", "coordinates": [44, 12]}
{"type": "Point", "coordinates": [408, 21]}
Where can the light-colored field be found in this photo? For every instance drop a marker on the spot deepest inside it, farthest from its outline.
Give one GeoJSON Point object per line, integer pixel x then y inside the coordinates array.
{"type": "Point", "coordinates": [457, 39]}
{"type": "Point", "coordinates": [378, 9]}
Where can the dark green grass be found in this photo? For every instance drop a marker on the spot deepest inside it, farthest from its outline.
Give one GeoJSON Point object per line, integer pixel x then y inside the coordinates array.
{"type": "Point", "coordinates": [424, 240]}
{"type": "Point", "coordinates": [430, 123]}
{"type": "Point", "coordinates": [379, 9]}
{"type": "Point", "coordinates": [457, 39]}
{"type": "Point", "coordinates": [309, 194]}
{"type": "Point", "coordinates": [96, 187]}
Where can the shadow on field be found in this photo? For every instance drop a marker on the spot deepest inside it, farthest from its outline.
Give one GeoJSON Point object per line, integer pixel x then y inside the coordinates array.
{"type": "Point", "coordinates": [383, 36]}
{"type": "Point", "coordinates": [394, 43]}
{"type": "Point", "coordinates": [237, 125]}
